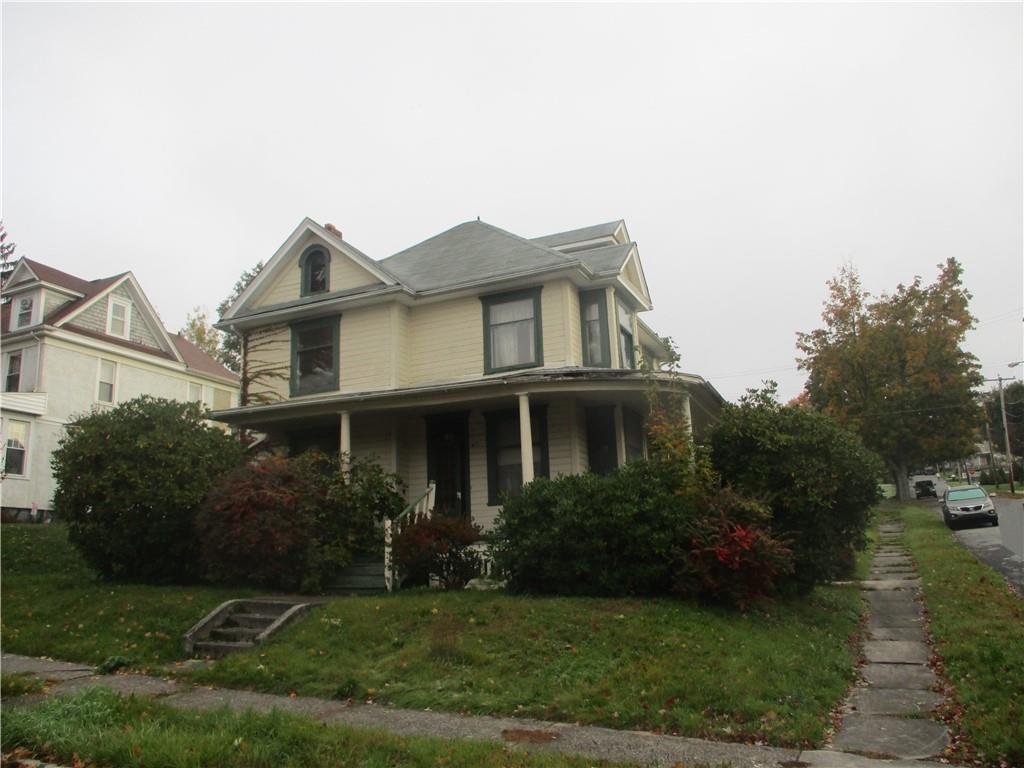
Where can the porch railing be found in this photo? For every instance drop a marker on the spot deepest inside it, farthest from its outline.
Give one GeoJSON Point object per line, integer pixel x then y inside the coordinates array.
{"type": "Point", "coordinates": [419, 509]}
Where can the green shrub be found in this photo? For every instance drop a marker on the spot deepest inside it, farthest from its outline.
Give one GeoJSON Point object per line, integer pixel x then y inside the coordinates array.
{"type": "Point", "coordinates": [818, 479]}
{"type": "Point", "coordinates": [439, 546]}
{"type": "Point", "coordinates": [129, 481]}
{"type": "Point", "coordinates": [293, 523]}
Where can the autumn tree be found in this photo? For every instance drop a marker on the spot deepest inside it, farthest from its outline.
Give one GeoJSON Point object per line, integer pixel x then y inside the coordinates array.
{"type": "Point", "coordinates": [892, 368]}
{"type": "Point", "coordinates": [231, 343]}
{"type": "Point", "coordinates": [200, 332]}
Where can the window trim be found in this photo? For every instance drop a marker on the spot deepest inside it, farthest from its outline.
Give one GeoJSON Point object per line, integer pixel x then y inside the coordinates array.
{"type": "Point", "coordinates": [600, 298]}
{"type": "Point", "coordinates": [189, 387]}
{"type": "Point", "coordinates": [304, 270]}
{"type": "Point", "coordinates": [538, 335]}
{"type": "Point", "coordinates": [24, 474]}
{"type": "Point", "coordinates": [99, 381]}
{"type": "Point", "coordinates": [334, 323]}
{"type": "Point", "coordinates": [7, 374]}
{"type": "Point", "coordinates": [31, 298]}
{"type": "Point", "coordinates": [117, 300]}
{"type": "Point", "coordinates": [491, 420]}
{"type": "Point", "coordinates": [620, 332]}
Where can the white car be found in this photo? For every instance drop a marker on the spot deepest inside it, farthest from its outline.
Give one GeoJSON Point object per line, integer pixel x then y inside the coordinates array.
{"type": "Point", "coordinates": [968, 504]}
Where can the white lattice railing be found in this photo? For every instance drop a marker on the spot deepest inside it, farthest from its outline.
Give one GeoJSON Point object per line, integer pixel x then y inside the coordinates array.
{"type": "Point", "coordinates": [419, 509]}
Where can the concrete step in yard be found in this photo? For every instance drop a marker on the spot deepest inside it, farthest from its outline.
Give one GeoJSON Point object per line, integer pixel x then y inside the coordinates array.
{"type": "Point", "coordinates": [365, 576]}
{"type": "Point", "coordinates": [239, 625]}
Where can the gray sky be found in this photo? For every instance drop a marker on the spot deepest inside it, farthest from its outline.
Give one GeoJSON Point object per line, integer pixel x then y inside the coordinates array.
{"type": "Point", "coordinates": [751, 149]}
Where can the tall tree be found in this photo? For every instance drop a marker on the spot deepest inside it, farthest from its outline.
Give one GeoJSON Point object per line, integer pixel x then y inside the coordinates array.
{"type": "Point", "coordinates": [231, 343]}
{"type": "Point", "coordinates": [1013, 393]}
{"type": "Point", "coordinates": [6, 255]}
{"type": "Point", "coordinates": [200, 332]}
{"type": "Point", "coordinates": [893, 368]}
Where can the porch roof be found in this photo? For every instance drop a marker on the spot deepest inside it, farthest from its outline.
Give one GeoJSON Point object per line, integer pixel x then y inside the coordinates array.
{"type": "Point", "coordinates": [546, 381]}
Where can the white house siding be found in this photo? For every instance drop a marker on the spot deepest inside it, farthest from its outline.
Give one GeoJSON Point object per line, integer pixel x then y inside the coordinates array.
{"type": "Point", "coordinates": [37, 486]}
{"type": "Point", "coordinates": [53, 301]}
{"type": "Point", "coordinates": [29, 365]}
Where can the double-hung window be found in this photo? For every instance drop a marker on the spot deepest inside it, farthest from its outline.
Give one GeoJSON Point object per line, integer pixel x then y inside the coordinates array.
{"type": "Point", "coordinates": [16, 447]}
{"type": "Point", "coordinates": [627, 354]}
{"type": "Point", "coordinates": [504, 453]}
{"type": "Point", "coordinates": [25, 311]}
{"type": "Point", "coordinates": [105, 388]}
{"type": "Point", "coordinates": [119, 317]}
{"type": "Point", "coordinates": [315, 356]}
{"type": "Point", "coordinates": [13, 380]}
{"type": "Point", "coordinates": [594, 329]}
{"type": "Point", "coordinates": [195, 392]}
{"type": "Point", "coordinates": [512, 331]}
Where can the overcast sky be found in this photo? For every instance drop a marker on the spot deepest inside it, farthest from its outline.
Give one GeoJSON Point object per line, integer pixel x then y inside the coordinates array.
{"type": "Point", "coordinates": [751, 149]}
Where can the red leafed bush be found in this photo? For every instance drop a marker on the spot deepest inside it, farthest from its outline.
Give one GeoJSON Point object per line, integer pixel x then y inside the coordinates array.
{"type": "Point", "coordinates": [257, 525]}
{"type": "Point", "coordinates": [732, 556]}
{"type": "Point", "coordinates": [439, 546]}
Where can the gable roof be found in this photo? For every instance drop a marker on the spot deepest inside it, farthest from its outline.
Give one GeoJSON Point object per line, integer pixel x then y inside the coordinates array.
{"type": "Point", "coordinates": [607, 259]}
{"type": "Point", "coordinates": [471, 252]}
{"type": "Point", "coordinates": [56, 277]}
{"type": "Point", "coordinates": [583, 234]}
{"type": "Point", "coordinates": [199, 361]}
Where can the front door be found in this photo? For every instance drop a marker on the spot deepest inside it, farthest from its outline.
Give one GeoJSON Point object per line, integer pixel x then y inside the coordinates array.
{"type": "Point", "coordinates": [448, 462]}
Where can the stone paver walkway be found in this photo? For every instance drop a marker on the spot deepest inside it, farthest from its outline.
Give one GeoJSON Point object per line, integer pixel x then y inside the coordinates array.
{"type": "Point", "coordinates": [587, 741]}
{"type": "Point", "coordinates": [891, 714]}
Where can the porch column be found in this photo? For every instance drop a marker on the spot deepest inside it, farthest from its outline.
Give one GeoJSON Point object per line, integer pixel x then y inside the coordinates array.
{"type": "Point", "coordinates": [525, 437]}
{"type": "Point", "coordinates": [620, 436]}
{"type": "Point", "coordinates": [345, 443]}
{"type": "Point", "coordinates": [686, 413]}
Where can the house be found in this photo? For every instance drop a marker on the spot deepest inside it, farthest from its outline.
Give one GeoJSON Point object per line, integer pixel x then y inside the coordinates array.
{"type": "Point", "coordinates": [477, 359]}
{"type": "Point", "coordinates": [71, 345]}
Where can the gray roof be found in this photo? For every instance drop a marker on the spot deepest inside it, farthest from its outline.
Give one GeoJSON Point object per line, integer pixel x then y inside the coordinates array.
{"type": "Point", "coordinates": [468, 253]}
{"type": "Point", "coordinates": [610, 258]}
{"type": "Point", "coordinates": [579, 235]}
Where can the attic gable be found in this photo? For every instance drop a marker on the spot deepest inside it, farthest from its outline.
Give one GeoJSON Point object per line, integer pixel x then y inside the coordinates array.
{"type": "Point", "coordinates": [280, 280]}
{"type": "Point", "coordinates": [632, 274]}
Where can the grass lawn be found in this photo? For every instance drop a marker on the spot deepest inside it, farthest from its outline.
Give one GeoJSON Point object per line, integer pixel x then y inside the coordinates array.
{"type": "Point", "coordinates": [978, 628]}
{"type": "Point", "coordinates": [53, 605]}
{"type": "Point", "coordinates": [98, 726]}
{"type": "Point", "coordinates": [771, 674]}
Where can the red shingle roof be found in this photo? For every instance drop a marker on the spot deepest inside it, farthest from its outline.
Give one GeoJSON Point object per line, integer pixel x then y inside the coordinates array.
{"type": "Point", "coordinates": [198, 360]}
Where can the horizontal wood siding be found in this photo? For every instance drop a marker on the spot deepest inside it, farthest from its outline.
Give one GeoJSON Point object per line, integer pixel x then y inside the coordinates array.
{"type": "Point", "coordinates": [574, 352]}
{"type": "Point", "coordinates": [286, 285]}
{"type": "Point", "coordinates": [446, 342]}
{"type": "Point", "coordinates": [270, 353]}
{"type": "Point", "coordinates": [372, 438]}
{"type": "Point", "coordinates": [365, 348]}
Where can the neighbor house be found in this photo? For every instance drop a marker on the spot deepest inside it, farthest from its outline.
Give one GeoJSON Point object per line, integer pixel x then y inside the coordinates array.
{"type": "Point", "coordinates": [476, 360]}
{"type": "Point", "coordinates": [71, 345]}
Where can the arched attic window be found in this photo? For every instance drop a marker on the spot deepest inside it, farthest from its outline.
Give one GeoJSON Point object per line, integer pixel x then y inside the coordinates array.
{"type": "Point", "coordinates": [316, 270]}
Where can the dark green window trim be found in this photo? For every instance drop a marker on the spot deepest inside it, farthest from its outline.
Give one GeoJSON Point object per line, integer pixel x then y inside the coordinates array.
{"type": "Point", "coordinates": [304, 267]}
{"type": "Point", "coordinates": [538, 346]}
{"type": "Point", "coordinates": [493, 419]}
{"type": "Point", "coordinates": [601, 299]}
{"type": "Point", "coordinates": [334, 323]}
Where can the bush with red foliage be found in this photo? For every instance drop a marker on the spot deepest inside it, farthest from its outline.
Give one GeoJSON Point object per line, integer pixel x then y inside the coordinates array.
{"type": "Point", "coordinates": [731, 556]}
{"type": "Point", "coordinates": [439, 546]}
{"type": "Point", "coordinates": [256, 526]}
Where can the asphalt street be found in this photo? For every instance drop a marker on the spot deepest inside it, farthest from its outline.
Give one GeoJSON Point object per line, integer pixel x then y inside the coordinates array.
{"type": "Point", "coordinates": [1002, 546]}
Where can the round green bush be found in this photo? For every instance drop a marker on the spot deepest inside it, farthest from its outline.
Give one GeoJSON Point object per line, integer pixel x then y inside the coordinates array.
{"type": "Point", "coordinates": [129, 481]}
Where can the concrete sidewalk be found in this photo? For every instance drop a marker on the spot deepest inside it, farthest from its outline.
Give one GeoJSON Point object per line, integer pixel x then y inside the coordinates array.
{"type": "Point", "coordinates": [586, 741]}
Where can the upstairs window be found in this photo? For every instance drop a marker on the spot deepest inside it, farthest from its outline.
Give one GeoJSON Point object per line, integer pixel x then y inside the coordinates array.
{"type": "Point", "coordinates": [13, 380]}
{"type": "Point", "coordinates": [504, 454]}
{"type": "Point", "coordinates": [594, 329]}
{"type": "Point", "coordinates": [195, 392]}
{"type": "Point", "coordinates": [221, 399]}
{"type": "Point", "coordinates": [512, 331]}
{"type": "Point", "coordinates": [25, 311]}
{"type": "Point", "coordinates": [119, 317]}
{"type": "Point", "coordinates": [626, 352]}
{"type": "Point", "coordinates": [105, 387]}
{"type": "Point", "coordinates": [315, 356]}
{"type": "Point", "coordinates": [16, 447]}
{"type": "Point", "coordinates": [316, 271]}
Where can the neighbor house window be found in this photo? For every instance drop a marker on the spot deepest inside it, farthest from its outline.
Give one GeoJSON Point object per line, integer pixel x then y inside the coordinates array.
{"type": "Point", "coordinates": [105, 389]}
{"type": "Point", "coordinates": [316, 271]}
{"type": "Point", "coordinates": [315, 356]}
{"type": "Point", "coordinates": [221, 399]}
{"type": "Point", "coordinates": [119, 317]}
{"type": "Point", "coordinates": [594, 329]}
{"type": "Point", "coordinates": [16, 445]}
{"type": "Point", "coordinates": [626, 352]}
{"type": "Point", "coordinates": [195, 392]}
{"type": "Point", "coordinates": [25, 311]}
{"type": "Point", "coordinates": [512, 331]}
{"type": "Point", "coordinates": [13, 380]}
{"type": "Point", "coordinates": [504, 457]}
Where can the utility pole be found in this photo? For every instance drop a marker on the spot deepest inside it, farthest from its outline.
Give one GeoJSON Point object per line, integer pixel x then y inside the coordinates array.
{"type": "Point", "coordinates": [1006, 433]}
